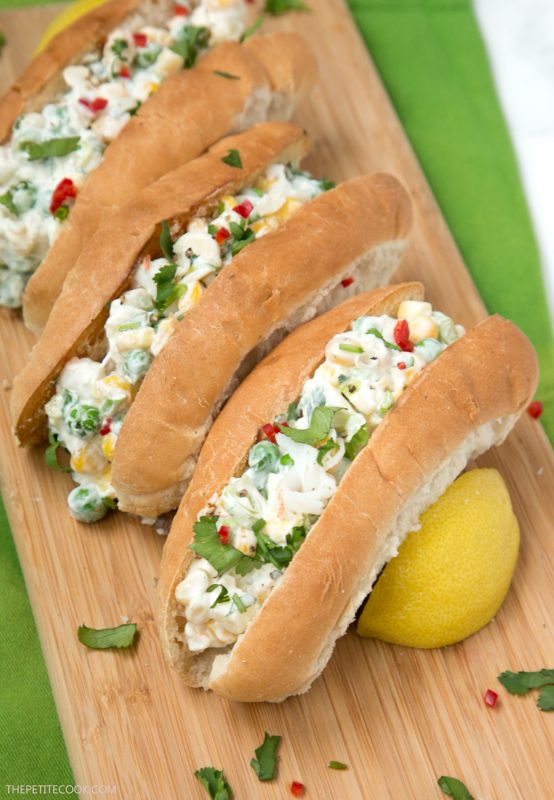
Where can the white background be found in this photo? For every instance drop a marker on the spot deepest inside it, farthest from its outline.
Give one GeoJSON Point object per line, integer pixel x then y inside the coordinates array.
{"type": "Point", "coordinates": [519, 36]}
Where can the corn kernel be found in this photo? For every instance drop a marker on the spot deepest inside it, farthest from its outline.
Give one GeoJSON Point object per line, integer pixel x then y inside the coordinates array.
{"type": "Point", "coordinates": [422, 328]}
{"type": "Point", "coordinates": [108, 445]}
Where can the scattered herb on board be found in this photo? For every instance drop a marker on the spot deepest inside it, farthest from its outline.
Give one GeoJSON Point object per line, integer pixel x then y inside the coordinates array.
{"type": "Point", "coordinates": [52, 148]}
{"type": "Point", "coordinates": [337, 765]}
{"type": "Point", "coordinates": [233, 159]}
{"type": "Point", "coordinates": [454, 788]}
{"type": "Point", "coordinates": [104, 638]}
{"type": "Point", "coordinates": [278, 7]}
{"type": "Point", "coordinates": [213, 780]}
{"type": "Point", "coordinates": [320, 425]}
{"type": "Point", "coordinates": [2, 42]}
{"type": "Point", "coordinates": [266, 758]}
{"type": "Point", "coordinates": [523, 682]}
{"type": "Point", "coordinates": [228, 75]}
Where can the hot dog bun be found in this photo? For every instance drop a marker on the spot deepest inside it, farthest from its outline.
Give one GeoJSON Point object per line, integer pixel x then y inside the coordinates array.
{"type": "Point", "coordinates": [162, 136]}
{"type": "Point", "coordinates": [75, 327]}
{"type": "Point", "coordinates": [457, 407]}
{"type": "Point", "coordinates": [357, 230]}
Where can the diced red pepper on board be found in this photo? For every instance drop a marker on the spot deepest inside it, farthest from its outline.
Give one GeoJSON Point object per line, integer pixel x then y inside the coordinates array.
{"type": "Point", "coordinates": [535, 409]}
{"type": "Point", "coordinates": [490, 698]}
{"type": "Point", "coordinates": [297, 788]}
{"type": "Point", "coordinates": [346, 282]}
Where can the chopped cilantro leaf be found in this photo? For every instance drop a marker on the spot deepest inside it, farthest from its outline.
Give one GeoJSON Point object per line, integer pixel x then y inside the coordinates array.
{"type": "Point", "coordinates": [52, 148]}
{"type": "Point", "coordinates": [166, 243]}
{"type": "Point", "coordinates": [51, 453]}
{"type": "Point", "coordinates": [118, 46]}
{"type": "Point", "coordinates": [320, 425]}
{"type": "Point", "coordinates": [266, 758]}
{"type": "Point", "coordinates": [522, 682]}
{"type": "Point", "coordinates": [190, 41]}
{"type": "Point", "coordinates": [104, 638]}
{"type": "Point", "coordinates": [233, 159]}
{"type": "Point", "coordinates": [165, 291]}
{"type": "Point", "coordinates": [213, 780]}
{"type": "Point", "coordinates": [359, 440]}
{"type": "Point", "coordinates": [454, 788]}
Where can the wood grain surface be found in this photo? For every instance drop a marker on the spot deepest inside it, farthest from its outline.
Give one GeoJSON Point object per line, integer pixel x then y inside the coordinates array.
{"type": "Point", "coordinates": [398, 717]}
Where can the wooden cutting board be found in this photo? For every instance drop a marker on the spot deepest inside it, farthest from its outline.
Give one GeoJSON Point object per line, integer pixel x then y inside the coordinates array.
{"type": "Point", "coordinates": [398, 717]}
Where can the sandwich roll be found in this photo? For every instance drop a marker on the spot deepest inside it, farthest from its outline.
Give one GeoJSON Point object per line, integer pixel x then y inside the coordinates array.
{"type": "Point", "coordinates": [193, 241]}
{"type": "Point", "coordinates": [315, 470]}
{"type": "Point", "coordinates": [74, 99]}
{"type": "Point", "coordinates": [119, 72]}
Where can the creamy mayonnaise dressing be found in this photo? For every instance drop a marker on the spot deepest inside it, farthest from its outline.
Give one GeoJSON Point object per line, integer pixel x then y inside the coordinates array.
{"type": "Point", "coordinates": [260, 518]}
{"type": "Point", "coordinates": [87, 411]}
{"type": "Point", "coordinates": [101, 94]}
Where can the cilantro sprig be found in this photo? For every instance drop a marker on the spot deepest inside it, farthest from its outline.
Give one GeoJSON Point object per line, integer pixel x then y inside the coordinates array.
{"type": "Point", "coordinates": [523, 682]}
{"type": "Point", "coordinates": [266, 758]}
{"type": "Point", "coordinates": [454, 788]}
{"type": "Point", "coordinates": [213, 780]}
{"type": "Point", "coordinates": [52, 148]}
{"type": "Point", "coordinates": [6, 200]}
{"type": "Point", "coordinates": [104, 638]}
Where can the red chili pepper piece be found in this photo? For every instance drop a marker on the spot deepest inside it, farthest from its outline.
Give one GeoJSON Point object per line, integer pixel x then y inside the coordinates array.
{"type": "Point", "coordinates": [401, 365]}
{"type": "Point", "coordinates": [181, 11]}
{"type": "Point", "coordinates": [221, 235]}
{"type": "Point", "coordinates": [244, 209]}
{"type": "Point", "coordinates": [124, 72]}
{"type": "Point", "coordinates": [64, 190]}
{"type": "Point", "coordinates": [347, 282]}
{"type": "Point", "coordinates": [297, 788]}
{"type": "Point", "coordinates": [106, 427]}
{"type": "Point", "coordinates": [96, 105]}
{"type": "Point", "coordinates": [140, 39]}
{"type": "Point", "coordinates": [268, 431]}
{"type": "Point", "coordinates": [535, 409]}
{"type": "Point", "coordinates": [402, 336]}
{"type": "Point", "coordinates": [223, 534]}
{"type": "Point", "coordinates": [490, 698]}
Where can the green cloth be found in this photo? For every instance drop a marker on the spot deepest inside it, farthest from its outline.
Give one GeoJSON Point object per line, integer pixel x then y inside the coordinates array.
{"type": "Point", "coordinates": [433, 63]}
{"type": "Point", "coordinates": [32, 749]}
{"type": "Point", "coordinates": [432, 60]}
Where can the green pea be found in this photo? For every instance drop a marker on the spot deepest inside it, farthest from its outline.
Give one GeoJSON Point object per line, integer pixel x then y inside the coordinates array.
{"type": "Point", "coordinates": [86, 504]}
{"type": "Point", "coordinates": [135, 365]}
